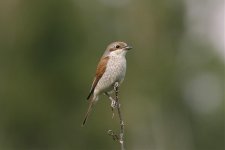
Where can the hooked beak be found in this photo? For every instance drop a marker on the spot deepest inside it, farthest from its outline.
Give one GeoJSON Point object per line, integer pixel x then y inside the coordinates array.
{"type": "Point", "coordinates": [128, 47]}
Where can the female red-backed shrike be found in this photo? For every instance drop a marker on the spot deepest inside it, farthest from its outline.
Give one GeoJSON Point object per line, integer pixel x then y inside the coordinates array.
{"type": "Point", "coordinates": [111, 69]}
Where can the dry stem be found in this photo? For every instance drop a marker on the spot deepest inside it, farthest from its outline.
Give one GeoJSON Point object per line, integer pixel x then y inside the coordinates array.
{"type": "Point", "coordinates": [119, 138]}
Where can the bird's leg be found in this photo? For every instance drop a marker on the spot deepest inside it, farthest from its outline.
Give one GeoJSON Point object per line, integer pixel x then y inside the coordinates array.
{"type": "Point", "coordinates": [113, 103]}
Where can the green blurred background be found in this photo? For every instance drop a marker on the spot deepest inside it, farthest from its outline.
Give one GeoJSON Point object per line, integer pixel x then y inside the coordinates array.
{"type": "Point", "coordinates": [173, 94]}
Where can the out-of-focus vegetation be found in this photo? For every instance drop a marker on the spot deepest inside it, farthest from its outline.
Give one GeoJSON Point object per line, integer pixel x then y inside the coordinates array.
{"type": "Point", "coordinates": [172, 97]}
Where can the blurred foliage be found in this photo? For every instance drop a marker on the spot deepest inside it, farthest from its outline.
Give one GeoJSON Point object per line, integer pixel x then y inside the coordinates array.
{"type": "Point", "coordinates": [172, 97]}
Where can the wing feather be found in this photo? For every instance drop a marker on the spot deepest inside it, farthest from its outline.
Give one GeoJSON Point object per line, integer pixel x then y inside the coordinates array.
{"type": "Point", "coordinates": [99, 72]}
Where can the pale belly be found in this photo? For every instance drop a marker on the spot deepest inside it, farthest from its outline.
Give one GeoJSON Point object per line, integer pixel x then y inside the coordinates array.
{"type": "Point", "coordinates": [115, 72]}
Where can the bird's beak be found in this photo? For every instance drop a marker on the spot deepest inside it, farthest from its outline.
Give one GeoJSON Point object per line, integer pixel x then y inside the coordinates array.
{"type": "Point", "coordinates": [128, 48]}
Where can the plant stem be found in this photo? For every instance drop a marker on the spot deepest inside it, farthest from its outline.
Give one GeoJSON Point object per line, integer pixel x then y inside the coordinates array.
{"type": "Point", "coordinates": [121, 136]}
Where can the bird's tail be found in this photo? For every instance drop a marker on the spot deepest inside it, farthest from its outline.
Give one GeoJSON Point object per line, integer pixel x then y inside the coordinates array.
{"type": "Point", "coordinates": [91, 104]}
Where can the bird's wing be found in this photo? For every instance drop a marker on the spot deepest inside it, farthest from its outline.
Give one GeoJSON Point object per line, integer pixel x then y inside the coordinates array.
{"type": "Point", "coordinates": [99, 72]}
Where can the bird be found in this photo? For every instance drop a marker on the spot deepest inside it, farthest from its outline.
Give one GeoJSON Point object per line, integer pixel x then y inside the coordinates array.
{"type": "Point", "coordinates": [111, 69]}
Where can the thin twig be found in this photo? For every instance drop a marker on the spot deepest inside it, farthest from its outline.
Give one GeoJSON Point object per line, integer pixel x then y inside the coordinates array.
{"type": "Point", "coordinates": [115, 104]}
{"type": "Point", "coordinates": [121, 140]}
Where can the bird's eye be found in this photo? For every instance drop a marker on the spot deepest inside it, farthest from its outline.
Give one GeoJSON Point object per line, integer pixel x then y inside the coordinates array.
{"type": "Point", "coordinates": [117, 46]}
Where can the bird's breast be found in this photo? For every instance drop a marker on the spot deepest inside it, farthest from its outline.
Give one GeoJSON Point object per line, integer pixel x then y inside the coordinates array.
{"type": "Point", "coordinates": [117, 68]}
{"type": "Point", "coordinates": [115, 72]}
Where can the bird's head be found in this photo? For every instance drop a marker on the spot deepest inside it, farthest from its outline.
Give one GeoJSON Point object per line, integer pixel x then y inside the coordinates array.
{"type": "Point", "coordinates": [117, 49]}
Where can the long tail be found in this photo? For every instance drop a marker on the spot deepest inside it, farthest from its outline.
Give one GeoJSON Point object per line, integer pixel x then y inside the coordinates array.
{"type": "Point", "coordinates": [91, 104]}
